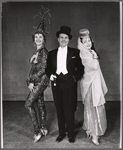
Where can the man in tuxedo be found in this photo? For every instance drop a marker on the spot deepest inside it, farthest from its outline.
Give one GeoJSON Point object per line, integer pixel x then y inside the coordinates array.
{"type": "Point", "coordinates": [64, 68]}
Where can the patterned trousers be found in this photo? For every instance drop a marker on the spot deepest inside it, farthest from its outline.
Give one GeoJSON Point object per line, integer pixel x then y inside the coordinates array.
{"type": "Point", "coordinates": [37, 96]}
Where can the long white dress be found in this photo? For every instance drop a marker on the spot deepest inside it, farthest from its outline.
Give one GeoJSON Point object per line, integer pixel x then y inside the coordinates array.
{"type": "Point", "coordinates": [93, 90]}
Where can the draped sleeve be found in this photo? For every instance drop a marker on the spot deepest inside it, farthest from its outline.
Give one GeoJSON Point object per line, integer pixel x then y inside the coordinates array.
{"type": "Point", "coordinates": [92, 77]}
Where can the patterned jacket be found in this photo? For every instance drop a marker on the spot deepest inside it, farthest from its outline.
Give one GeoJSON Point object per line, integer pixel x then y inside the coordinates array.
{"type": "Point", "coordinates": [38, 69]}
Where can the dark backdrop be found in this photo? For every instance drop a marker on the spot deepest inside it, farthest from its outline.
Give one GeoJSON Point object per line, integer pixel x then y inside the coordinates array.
{"type": "Point", "coordinates": [101, 18]}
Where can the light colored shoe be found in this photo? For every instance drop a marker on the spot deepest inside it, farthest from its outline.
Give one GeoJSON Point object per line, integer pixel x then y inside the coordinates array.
{"type": "Point", "coordinates": [88, 134]}
{"type": "Point", "coordinates": [44, 131]}
{"type": "Point", "coordinates": [95, 140]}
{"type": "Point", "coordinates": [37, 137]}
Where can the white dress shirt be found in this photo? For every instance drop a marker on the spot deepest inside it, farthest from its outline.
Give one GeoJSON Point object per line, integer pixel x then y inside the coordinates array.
{"type": "Point", "coordinates": [61, 60]}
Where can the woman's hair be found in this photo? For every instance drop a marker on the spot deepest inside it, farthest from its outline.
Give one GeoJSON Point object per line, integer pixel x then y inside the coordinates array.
{"type": "Point", "coordinates": [38, 32]}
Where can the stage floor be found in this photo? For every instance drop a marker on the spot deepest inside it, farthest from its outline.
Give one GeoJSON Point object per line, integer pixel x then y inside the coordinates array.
{"type": "Point", "coordinates": [18, 129]}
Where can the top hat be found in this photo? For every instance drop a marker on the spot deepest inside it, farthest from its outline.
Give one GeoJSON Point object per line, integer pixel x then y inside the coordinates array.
{"type": "Point", "coordinates": [65, 30]}
{"type": "Point", "coordinates": [84, 33]}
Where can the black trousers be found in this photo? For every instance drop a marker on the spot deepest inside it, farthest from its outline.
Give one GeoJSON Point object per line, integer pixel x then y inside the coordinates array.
{"type": "Point", "coordinates": [65, 99]}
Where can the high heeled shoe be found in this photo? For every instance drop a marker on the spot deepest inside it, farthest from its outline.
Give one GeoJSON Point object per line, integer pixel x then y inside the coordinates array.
{"type": "Point", "coordinates": [44, 131]}
{"type": "Point", "coordinates": [88, 134]}
{"type": "Point", "coordinates": [37, 137]}
{"type": "Point", "coordinates": [95, 140]}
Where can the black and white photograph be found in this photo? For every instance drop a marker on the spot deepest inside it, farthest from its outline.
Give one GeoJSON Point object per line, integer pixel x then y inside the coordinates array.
{"type": "Point", "coordinates": [61, 74]}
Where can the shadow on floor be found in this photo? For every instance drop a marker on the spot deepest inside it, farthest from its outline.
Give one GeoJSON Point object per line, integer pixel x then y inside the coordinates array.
{"type": "Point", "coordinates": [18, 130]}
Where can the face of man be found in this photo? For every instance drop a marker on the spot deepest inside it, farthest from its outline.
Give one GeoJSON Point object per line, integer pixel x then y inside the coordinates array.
{"type": "Point", "coordinates": [63, 40]}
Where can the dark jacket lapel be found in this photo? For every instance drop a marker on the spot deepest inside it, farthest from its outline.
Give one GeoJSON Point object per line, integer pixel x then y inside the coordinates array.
{"type": "Point", "coordinates": [55, 57]}
{"type": "Point", "coordinates": [69, 54]}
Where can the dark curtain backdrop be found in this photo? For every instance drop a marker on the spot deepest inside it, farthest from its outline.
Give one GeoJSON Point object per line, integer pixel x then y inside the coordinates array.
{"type": "Point", "coordinates": [101, 18]}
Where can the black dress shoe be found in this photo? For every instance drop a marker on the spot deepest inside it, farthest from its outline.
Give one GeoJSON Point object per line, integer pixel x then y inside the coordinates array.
{"type": "Point", "coordinates": [71, 140]}
{"type": "Point", "coordinates": [60, 138]}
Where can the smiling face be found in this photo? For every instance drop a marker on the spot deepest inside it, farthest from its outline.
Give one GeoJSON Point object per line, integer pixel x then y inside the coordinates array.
{"type": "Point", "coordinates": [87, 42]}
{"type": "Point", "coordinates": [63, 40]}
{"type": "Point", "coordinates": [38, 39]}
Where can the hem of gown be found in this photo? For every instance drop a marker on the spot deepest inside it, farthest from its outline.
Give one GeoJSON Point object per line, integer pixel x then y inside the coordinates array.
{"type": "Point", "coordinates": [97, 113]}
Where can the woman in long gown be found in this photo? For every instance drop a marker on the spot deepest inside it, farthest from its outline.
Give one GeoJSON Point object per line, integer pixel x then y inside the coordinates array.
{"type": "Point", "coordinates": [93, 89]}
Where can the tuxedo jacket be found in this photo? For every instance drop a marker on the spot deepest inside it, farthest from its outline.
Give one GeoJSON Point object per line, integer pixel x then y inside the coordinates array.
{"type": "Point", "coordinates": [73, 64]}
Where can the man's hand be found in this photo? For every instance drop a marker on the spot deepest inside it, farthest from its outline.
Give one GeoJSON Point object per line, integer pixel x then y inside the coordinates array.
{"type": "Point", "coordinates": [53, 77]}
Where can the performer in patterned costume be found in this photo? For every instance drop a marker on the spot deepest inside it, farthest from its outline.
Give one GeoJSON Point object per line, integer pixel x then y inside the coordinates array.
{"type": "Point", "coordinates": [38, 81]}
